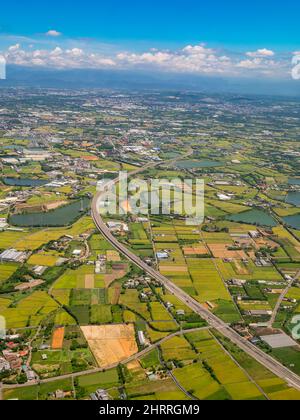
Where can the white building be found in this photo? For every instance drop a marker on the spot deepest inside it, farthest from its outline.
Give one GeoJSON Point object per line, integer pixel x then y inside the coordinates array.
{"type": "Point", "coordinates": [11, 255]}
{"type": "Point", "coordinates": [142, 338]}
{"type": "Point", "coordinates": [4, 365]}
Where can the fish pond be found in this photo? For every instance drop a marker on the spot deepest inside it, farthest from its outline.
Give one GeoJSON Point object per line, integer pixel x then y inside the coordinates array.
{"type": "Point", "coordinates": [63, 216]}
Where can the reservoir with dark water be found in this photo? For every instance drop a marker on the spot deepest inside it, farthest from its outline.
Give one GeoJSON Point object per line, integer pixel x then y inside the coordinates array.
{"type": "Point", "coordinates": [293, 198]}
{"type": "Point", "coordinates": [63, 216]}
{"type": "Point", "coordinates": [254, 217]}
{"type": "Point", "coordinates": [25, 182]}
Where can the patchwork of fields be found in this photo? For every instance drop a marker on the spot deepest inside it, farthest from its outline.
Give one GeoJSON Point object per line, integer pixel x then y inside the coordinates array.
{"type": "Point", "coordinates": [29, 311]}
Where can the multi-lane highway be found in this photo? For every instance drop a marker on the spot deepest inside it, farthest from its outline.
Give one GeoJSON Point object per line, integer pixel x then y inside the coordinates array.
{"type": "Point", "coordinates": [266, 360]}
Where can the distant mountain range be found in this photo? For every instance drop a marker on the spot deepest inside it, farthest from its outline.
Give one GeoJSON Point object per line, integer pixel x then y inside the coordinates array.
{"type": "Point", "coordinates": [118, 79]}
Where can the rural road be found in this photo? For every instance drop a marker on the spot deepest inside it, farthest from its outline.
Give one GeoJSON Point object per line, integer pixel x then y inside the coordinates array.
{"type": "Point", "coordinates": [282, 296]}
{"type": "Point", "coordinates": [263, 358]}
{"type": "Point", "coordinates": [99, 370]}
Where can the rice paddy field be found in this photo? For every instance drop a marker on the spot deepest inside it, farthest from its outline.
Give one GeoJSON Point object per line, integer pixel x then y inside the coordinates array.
{"type": "Point", "coordinates": [229, 271]}
{"type": "Point", "coordinates": [98, 246]}
{"type": "Point", "coordinates": [62, 296]}
{"type": "Point", "coordinates": [162, 320]}
{"type": "Point", "coordinates": [29, 311]}
{"type": "Point", "coordinates": [130, 300]}
{"type": "Point", "coordinates": [255, 306]}
{"type": "Point", "coordinates": [191, 267]}
{"type": "Point", "coordinates": [63, 318]}
{"type": "Point", "coordinates": [207, 281]}
{"type": "Point", "coordinates": [8, 239]}
{"type": "Point", "coordinates": [82, 278]}
{"type": "Point", "coordinates": [43, 260]}
{"type": "Point", "coordinates": [104, 380]}
{"type": "Point", "coordinates": [34, 240]}
{"type": "Point", "coordinates": [178, 348]}
{"type": "Point", "coordinates": [216, 375]}
{"type": "Point", "coordinates": [273, 387]}
{"type": "Point", "coordinates": [30, 393]}
{"type": "Point", "coordinates": [139, 239]}
{"type": "Point", "coordinates": [101, 314]}
{"type": "Point", "coordinates": [160, 390]}
{"type": "Point", "coordinates": [151, 360]}
{"type": "Point", "coordinates": [294, 293]}
{"type": "Point", "coordinates": [6, 271]}
{"type": "Point", "coordinates": [288, 242]}
{"type": "Point", "coordinates": [228, 207]}
{"type": "Point", "coordinates": [59, 362]}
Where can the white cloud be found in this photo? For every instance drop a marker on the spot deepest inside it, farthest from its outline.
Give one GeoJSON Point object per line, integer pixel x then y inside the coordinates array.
{"type": "Point", "coordinates": [191, 59]}
{"type": "Point", "coordinates": [264, 52]}
{"type": "Point", "coordinates": [56, 52]}
{"type": "Point", "coordinates": [263, 62]}
{"type": "Point", "coordinates": [296, 66]}
{"type": "Point", "coordinates": [14, 47]}
{"type": "Point", "coordinates": [53, 33]}
{"type": "Point", "coordinates": [75, 52]}
{"type": "Point", "coordinates": [264, 67]}
{"type": "Point", "coordinates": [250, 64]}
{"type": "Point", "coordinates": [57, 58]}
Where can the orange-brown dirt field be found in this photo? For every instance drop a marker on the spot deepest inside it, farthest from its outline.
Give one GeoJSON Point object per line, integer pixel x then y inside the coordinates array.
{"type": "Point", "coordinates": [111, 344]}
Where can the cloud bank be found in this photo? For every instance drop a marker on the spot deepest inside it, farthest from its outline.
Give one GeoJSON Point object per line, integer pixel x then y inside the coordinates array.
{"type": "Point", "coordinates": [191, 59]}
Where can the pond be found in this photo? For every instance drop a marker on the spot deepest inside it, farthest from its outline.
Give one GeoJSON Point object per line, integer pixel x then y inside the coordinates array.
{"type": "Point", "coordinates": [294, 181]}
{"type": "Point", "coordinates": [63, 216]}
{"type": "Point", "coordinates": [293, 198]}
{"type": "Point", "coordinates": [9, 156]}
{"type": "Point", "coordinates": [253, 217]}
{"type": "Point", "coordinates": [24, 182]}
{"type": "Point", "coordinates": [293, 221]}
{"type": "Point", "coordinates": [194, 164]}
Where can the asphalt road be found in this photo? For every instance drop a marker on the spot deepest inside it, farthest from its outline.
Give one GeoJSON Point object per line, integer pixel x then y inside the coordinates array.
{"type": "Point", "coordinates": [281, 298]}
{"type": "Point", "coordinates": [99, 370]}
{"type": "Point", "coordinates": [273, 365]}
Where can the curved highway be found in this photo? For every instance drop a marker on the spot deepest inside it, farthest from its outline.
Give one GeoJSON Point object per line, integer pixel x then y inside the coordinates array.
{"type": "Point", "coordinates": [266, 360]}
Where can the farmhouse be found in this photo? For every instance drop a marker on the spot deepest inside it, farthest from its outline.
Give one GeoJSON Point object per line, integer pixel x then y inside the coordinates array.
{"type": "Point", "coordinates": [279, 341]}
{"type": "Point", "coordinates": [259, 313]}
{"type": "Point", "coordinates": [29, 285]}
{"type": "Point", "coordinates": [162, 255]}
{"type": "Point", "coordinates": [100, 395]}
{"type": "Point", "coordinates": [142, 339]}
{"type": "Point", "coordinates": [3, 224]}
{"type": "Point", "coordinates": [117, 227]}
{"type": "Point", "coordinates": [4, 365]}
{"type": "Point", "coordinates": [180, 312]}
{"type": "Point", "coordinates": [224, 197]}
{"type": "Point", "coordinates": [12, 337]}
{"type": "Point", "coordinates": [254, 234]}
{"type": "Point", "coordinates": [39, 270]}
{"type": "Point", "coordinates": [77, 252]}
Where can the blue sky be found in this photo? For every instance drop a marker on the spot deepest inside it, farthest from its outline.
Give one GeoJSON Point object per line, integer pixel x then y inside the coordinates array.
{"type": "Point", "coordinates": [233, 23]}
{"type": "Point", "coordinates": [102, 30]}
